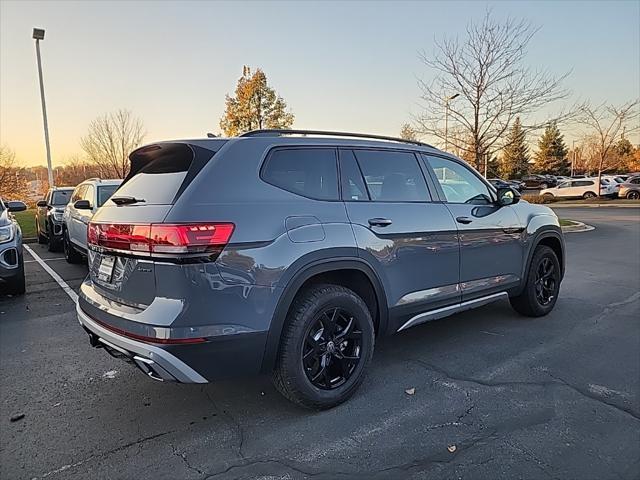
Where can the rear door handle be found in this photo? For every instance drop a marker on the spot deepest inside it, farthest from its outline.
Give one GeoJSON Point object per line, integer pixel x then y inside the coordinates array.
{"type": "Point", "coordinates": [463, 220]}
{"type": "Point", "coordinates": [380, 222]}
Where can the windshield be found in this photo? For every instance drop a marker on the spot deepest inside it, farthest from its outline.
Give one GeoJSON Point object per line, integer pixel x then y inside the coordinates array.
{"type": "Point", "coordinates": [105, 192]}
{"type": "Point", "coordinates": [61, 197]}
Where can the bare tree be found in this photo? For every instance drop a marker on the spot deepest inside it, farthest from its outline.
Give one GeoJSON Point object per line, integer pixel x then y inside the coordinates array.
{"type": "Point", "coordinates": [12, 180]}
{"type": "Point", "coordinates": [110, 139]}
{"type": "Point", "coordinates": [482, 85]}
{"type": "Point", "coordinates": [407, 132]}
{"type": "Point", "coordinates": [607, 123]}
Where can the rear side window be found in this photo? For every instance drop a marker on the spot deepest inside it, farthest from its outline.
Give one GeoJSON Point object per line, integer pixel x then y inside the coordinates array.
{"type": "Point", "coordinates": [392, 176]}
{"type": "Point", "coordinates": [105, 192]}
{"type": "Point", "coordinates": [310, 172]}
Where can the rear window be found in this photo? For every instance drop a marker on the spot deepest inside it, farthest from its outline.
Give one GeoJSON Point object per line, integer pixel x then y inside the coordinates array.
{"type": "Point", "coordinates": [310, 172]}
{"type": "Point", "coordinates": [61, 197]}
{"type": "Point", "coordinates": [159, 173]}
{"type": "Point", "coordinates": [105, 192]}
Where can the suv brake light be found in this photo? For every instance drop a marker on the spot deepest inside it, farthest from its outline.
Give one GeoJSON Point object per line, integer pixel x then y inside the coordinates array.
{"type": "Point", "coordinates": [161, 238]}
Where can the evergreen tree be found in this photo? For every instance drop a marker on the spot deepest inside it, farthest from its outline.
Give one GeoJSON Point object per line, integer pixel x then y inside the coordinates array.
{"type": "Point", "coordinates": [255, 106]}
{"type": "Point", "coordinates": [551, 157]}
{"type": "Point", "coordinates": [515, 155]}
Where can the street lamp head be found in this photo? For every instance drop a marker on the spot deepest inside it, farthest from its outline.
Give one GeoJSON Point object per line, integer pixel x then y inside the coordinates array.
{"type": "Point", "coordinates": [38, 34]}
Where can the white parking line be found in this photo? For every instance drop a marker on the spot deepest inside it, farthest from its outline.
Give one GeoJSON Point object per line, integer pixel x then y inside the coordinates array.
{"type": "Point", "coordinates": [68, 290]}
{"type": "Point", "coordinates": [45, 260]}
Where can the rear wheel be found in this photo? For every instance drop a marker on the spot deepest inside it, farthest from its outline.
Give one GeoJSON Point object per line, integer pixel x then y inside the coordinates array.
{"type": "Point", "coordinates": [70, 253]}
{"type": "Point", "coordinates": [588, 195]}
{"type": "Point", "coordinates": [542, 284]}
{"type": "Point", "coordinates": [326, 346]}
{"type": "Point", "coordinates": [633, 195]}
{"type": "Point", "coordinates": [548, 196]}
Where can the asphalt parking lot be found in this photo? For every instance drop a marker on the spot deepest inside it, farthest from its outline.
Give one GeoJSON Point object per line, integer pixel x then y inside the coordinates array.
{"type": "Point", "coordinates": [497, 396]}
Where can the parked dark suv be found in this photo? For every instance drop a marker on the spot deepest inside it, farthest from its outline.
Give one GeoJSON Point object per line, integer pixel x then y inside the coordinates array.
{"type": "Point", "coordinates": [272, 252]}
{"type": "Point", "coordinates": [539, 182]}
{"type": "Point", "coordinates": [49, 216]}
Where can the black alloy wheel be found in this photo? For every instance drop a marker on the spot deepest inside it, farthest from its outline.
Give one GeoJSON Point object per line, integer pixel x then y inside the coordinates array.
{"type": "Point", "coordinates": [545, 282]}
{"type": "Point", "coordinates": [332, 349]}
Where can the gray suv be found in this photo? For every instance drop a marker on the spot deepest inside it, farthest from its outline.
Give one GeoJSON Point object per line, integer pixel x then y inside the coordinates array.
{"type": "Point", "coordinates": [291, 252]}
{"type": "Point", "coordinates": [11, 259]}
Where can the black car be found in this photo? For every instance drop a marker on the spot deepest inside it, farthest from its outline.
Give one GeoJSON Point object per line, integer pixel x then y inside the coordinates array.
{"type": "Point", "coordinates": [49, 216]}
{"type": "Point", "coordinates": [500, 183]}
{"type": "Point", "coordinates": [11, 261]}
{"type": "Point", "coordinates": [538, 182]}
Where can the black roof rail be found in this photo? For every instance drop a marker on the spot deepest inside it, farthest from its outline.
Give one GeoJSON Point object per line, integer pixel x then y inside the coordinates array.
{"type": "Point", "coordinates": [281, 132]}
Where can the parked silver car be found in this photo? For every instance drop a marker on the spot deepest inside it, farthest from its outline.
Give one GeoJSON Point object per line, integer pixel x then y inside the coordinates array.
{"type": "Point", "coordinates": [11, 260]}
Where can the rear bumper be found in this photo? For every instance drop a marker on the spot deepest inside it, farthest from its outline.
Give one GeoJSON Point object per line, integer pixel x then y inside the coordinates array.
{"type": "Point", "coordinates": [156, 362]}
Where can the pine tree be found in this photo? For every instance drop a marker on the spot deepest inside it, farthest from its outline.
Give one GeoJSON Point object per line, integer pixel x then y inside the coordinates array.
{"type": "Point", "coordinates": [551, 157]}
{"type": "Point", "coordinates": [255, 106]}
{"type": "Point", "coordinates": [515, 155]}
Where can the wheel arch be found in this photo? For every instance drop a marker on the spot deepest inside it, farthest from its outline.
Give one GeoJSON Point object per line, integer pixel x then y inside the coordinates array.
{"type": "Point", "coordinates": [348, 272]}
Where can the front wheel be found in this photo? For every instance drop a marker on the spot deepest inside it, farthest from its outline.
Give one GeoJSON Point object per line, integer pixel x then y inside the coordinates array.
{"type": "Point", "coordinates": [542, 284]}
{"type": "Point", "coordinates": [548, 196]}
{"type": "Point", "coordinates": [327, 344]}
{"type": "Point", "coordinates": [633, 195]}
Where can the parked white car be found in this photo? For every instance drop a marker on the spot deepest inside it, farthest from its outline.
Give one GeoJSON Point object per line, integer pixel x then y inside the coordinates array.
{"type": "Point", "coordinates": [581, 188]}
{"type": "Point", "coordinates": [87, 197]}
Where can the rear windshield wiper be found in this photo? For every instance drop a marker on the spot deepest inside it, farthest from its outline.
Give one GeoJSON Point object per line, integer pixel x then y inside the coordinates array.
{"type": "Point", "coordinates": [124, 200]}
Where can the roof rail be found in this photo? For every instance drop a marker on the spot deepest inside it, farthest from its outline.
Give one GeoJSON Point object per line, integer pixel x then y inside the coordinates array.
{"type": "Point", "coordinates": [282, 132]}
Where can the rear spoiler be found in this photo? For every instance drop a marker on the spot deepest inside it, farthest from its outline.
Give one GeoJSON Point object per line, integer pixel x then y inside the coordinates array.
{"type": "Point", "coordinates": [167, 157]}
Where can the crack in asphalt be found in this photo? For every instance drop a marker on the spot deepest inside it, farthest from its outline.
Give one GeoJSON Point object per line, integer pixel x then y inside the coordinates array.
{"type": "Point", "coordinates": [185, 460]}
{"type": "Point", "coordinates": [104, 454]}
{"type": "Point", "coordinates": [234, 421]}
{"type": "Point", "coordinates": [558, 381]}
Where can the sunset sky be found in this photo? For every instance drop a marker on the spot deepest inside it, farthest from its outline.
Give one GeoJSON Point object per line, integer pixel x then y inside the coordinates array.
{"type": "Point", "coordinates": [340, 66]}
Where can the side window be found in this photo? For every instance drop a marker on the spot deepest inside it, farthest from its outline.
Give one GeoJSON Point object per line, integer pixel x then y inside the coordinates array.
{"type": "Point", "coordinates": [459, 184]}
{"type": "Point", "coordinates": [310, 172]}
{"type": "Point", "coordinates": [392, 176]}
{"type": "Point", "coordinates": [88, 194]}
{"type": "Point", "coordinates": [635, 181]}
{"type": "Point", "coordinates": [353, 188]}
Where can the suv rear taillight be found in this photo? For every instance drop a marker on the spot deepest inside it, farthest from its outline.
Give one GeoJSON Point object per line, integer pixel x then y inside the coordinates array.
{"type": "Point", "coordinates": [161, 239]}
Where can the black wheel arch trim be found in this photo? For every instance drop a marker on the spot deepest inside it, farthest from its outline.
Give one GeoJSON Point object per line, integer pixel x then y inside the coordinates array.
{"type": "Point", "coordinates": [293, 286]}
{"type": "Point", "coordinates": [546, 233]}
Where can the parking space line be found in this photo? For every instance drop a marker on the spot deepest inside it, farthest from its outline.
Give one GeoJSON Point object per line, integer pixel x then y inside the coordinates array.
{"type": "Point", "coordinates": [45, 260]}
{"type": "Point", "coordinates": [68, 290]}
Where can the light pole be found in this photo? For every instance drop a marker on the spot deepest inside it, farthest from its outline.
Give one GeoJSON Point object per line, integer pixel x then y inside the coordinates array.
{"type": "Point", "coordinates": [573, 160]}
{"type": "Point", "coordinates": [446, 120]}
{"type": "Point", "coordinates": [38, 34]}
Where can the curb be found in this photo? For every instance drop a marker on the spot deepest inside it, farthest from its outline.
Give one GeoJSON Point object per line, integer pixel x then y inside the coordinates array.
{"type": "Point", "coordinates": [29, 240]}
{"type": "Point", "coordinates": [577, 228]}
{"type": "Point", "coordinates": [596, 205]}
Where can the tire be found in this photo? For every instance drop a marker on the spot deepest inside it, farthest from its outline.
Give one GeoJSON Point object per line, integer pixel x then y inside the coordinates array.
{"type": "Point", "coordinates": [71, 255]}
{"type": "Point", "coordinates": [588, 195]}
{"type": "Point", "coordinates": [53, 243]}
{"type": "Point", "coordinates": [633, 195]}
{"type": "Point", "coordinates": [41, 238]}
{"type": "Point", "coordinates": [548, 196]}
{"type": "Point", "coordinates": [17, 285]}
{"type": "Point", "coordinates": [293, 375]}
{"type": "Point", "coordinates": [528, 302]}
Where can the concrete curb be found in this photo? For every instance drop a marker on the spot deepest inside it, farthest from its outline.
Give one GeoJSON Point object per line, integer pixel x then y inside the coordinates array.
{"type": "Point", "coordinates": [577, 228]}
{"type": "Point", "coordinates": [589, 205]}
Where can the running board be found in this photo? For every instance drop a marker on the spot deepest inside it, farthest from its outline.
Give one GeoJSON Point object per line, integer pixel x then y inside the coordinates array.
{"type": "Point", "coordinates": [457, 308]}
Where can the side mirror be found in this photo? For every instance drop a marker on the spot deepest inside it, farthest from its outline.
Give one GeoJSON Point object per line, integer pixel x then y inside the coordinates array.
{"type": "Point", "coordinates": [508, 196]}
{"type": "Point", "coordinates": [16, 206]}
{"type": "Point", "coordinates": [82, 205]}
{"type": "Point", "coordinates": [41, 203]}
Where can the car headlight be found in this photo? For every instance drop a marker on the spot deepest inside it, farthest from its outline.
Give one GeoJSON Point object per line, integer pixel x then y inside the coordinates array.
{"type": "Point", "coordinates": [7, 233]}
{"type": "Point", "coordinates": [57, 216]}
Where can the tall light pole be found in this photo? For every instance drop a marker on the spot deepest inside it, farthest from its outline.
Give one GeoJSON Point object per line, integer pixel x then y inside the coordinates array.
{"type": "Point", "coordinates": [446, 120]}
{"type": "Point", "coordinates": [38, 34]}
{"type": "Point", "coordinates": [573, 160]}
